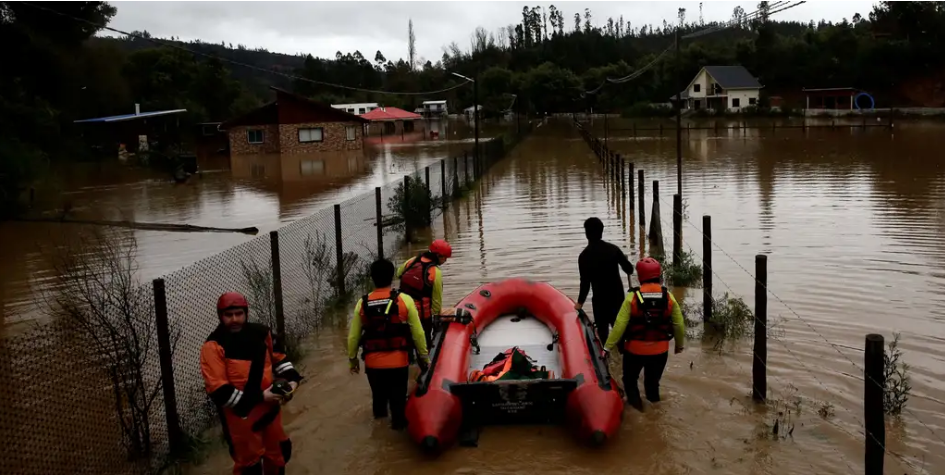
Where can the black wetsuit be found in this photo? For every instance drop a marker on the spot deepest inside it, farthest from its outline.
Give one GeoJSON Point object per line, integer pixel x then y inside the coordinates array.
{"type": "Point", "coordinates": [599, 264]}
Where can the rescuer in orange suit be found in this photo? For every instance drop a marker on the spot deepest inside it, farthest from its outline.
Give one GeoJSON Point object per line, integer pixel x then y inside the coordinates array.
{"type": "Point", "coordinates": [421, 279]}
{"type": "Point", "coordinates": [648, 319]}
{"type": "Point", "coordinates": [248, 376]}
{"type": "Point", "coordinates": [386, 325]}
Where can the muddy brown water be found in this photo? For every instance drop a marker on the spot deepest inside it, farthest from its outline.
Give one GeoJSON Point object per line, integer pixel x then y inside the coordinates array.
{"type": "Point", "coordinates": [264, 191]}
{"type": "Point", "coordinates": [852, 221]}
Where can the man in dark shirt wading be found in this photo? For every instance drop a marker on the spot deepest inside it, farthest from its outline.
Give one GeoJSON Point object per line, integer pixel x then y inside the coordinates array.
{"type": "Point", "coordinates": [598, 265]}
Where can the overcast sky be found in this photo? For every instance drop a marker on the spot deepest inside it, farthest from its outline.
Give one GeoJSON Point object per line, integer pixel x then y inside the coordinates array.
{"type": "Point", "coordinates": [322, 28]}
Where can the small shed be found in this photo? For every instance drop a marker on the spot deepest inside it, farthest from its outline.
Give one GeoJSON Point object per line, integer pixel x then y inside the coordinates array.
{"type": "Point", "coordinates": [137, 132]}
{"type": "Point", "coordinates": [830, 98]}
{"type": "Point", "coordinates": [391, 121]}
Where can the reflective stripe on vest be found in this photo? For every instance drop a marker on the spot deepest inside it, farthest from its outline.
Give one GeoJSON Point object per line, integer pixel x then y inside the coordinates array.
{"type": "Point", "coordinates": [384, 324]}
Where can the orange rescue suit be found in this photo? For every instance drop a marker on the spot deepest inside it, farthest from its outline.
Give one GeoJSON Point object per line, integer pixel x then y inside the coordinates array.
{"type": "Point", "coordinates": [237, 367]}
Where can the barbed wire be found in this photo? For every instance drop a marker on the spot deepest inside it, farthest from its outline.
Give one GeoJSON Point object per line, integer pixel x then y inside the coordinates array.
{"type": "Point", "coordinates": [173, 45]}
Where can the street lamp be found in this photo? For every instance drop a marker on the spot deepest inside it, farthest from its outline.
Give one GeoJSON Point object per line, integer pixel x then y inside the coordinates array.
{"type": "Point", "coordinates": [475, 111]}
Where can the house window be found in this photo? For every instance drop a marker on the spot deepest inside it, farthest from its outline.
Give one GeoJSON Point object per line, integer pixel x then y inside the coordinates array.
{"type": "Point", "coordinates": [736, 102]}
{"type": "Point", "coordinates": [351, 133]}
{"type": "Point", "coordinates": [311, 167]}
{"type": "Point", "coordinates": [408, 126]}
{"type": "Point", "coordinates": [254, 136]}
{"type": "Point", "coordinates": [752, 101]}
{"type": "Point", "coordinates": [310, 135]}
{"type": "Point", "coordinates": [360, 111]}
{"type": "Point", "coordinates": [696, 87]}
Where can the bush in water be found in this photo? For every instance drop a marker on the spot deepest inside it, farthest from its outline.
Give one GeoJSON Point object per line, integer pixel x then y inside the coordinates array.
{"type": "Point", "coordinates": [897, 390]}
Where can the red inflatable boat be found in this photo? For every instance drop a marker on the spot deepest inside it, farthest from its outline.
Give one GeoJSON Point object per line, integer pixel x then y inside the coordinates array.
{"type": "Point", "coordinates": [539, 321]}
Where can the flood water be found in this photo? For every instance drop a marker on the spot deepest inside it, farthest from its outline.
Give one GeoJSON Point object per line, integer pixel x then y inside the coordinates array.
{"type": "Point", "coordinates": [852, 222]}
{"type": "Point", "coordinates": [262, 191]}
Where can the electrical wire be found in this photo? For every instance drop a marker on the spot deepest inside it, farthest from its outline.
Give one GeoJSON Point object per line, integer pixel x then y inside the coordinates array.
{"type": "Point", "coordinates": [245, 65]}
{"type": "Point", "coordinates": [778, 7]}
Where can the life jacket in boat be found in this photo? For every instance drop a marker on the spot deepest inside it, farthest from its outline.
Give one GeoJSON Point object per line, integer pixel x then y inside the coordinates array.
{"type": "Point", "coordinates": [651, 317]}
{"type": "Point", "coordinates": [384, 324]}
{"type": "Point", "coordinates": [511, 364]}
{"type": "Point", "coordinates": [417, 282]}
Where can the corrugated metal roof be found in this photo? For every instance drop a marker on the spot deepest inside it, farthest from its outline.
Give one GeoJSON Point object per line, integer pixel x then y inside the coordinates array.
{"type": "Point", "coordinates": [390, 113]}
{"type": "Point", "coordinates": [126, 117]}
{"type": "Point", "coordinates": [733, 77]}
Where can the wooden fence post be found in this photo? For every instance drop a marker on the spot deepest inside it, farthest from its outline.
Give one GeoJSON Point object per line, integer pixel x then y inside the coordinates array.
{"type": "Point", "coordinates": [277, 283]}
{"type": "Point", "coordinates": [874, 416]}
{"type": "Point", "coordinates": [630, 191]}
{"type": "Point", "coordinates": [174, 432]}
{"type": "Point", "coordinates": [706, 268]}
{"type": "Point", "coordinates": [759, 369]}
{"type": "Point", "coordinates": [641, 184]}
{"type": "Point", "coordinates": [379, 220]}
{"type": "Point", "coordinates": [656, 224]}
{"type": "Point", "coordinates": [677, 230]}
{"type": "Point", "coordinates": [443, 181]}
{"type": "Point", "coordinates": [339, 253]}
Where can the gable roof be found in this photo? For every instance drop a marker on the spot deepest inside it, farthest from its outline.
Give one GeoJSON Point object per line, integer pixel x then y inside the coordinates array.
{"type": "Point", "coordinates": [338, 115]}
{"type": "Point", "coordinates": [730, 77]}
{"type": "Point", "coordinates": [269, 112]}
{"type": "Point", "coordinates": [390, 113]}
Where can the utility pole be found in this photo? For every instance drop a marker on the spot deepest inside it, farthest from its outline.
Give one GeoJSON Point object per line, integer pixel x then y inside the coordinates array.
{"type": "Point", "coordinates": [476, 112]}
{"type": "Point", "coordinates": [678, 112]}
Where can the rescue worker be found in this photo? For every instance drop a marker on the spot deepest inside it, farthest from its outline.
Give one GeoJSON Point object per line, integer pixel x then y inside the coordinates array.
{"type": "Point", "coordinates": [599, 265]}
{"type": "Point", "coordinates": [421, 278]}
{"type": "Point", "coordinates": [649, 318]}
{"type": "Point", "coordinates": [387, 326]}
{"type": "Point", "coordinates": [248, 376]}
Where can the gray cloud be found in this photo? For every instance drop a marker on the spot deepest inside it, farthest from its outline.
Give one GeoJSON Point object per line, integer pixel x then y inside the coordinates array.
{"type": "Point", "coordinates": [322, 28]}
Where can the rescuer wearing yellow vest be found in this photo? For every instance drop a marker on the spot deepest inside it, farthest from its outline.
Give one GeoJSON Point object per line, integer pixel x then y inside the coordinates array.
{"type": "Point", "coordinates": [421, 278]}
{"type": "Point", "coordinates": [648, 319]}
{"type": "Point", "coordinates": [386, 325]}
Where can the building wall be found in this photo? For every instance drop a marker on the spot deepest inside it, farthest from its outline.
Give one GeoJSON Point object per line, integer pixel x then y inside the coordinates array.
{"type": "Point", "coordinates": [239, 140]}
{"type": "Point", "coordinates": [702, 79]}
{"type": "Point", "coordinates": [743, 95]}
{"type": "Point", "coordinates": [334, 137]}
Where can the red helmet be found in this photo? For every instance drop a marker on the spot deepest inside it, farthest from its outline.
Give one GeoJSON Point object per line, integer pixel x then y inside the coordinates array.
{"type": "Point", "coordinates": [232, 300]}
{"type": "Point", "coordinates": [648, 269]}
{"type": "Point", "coordinates": [441, 248]}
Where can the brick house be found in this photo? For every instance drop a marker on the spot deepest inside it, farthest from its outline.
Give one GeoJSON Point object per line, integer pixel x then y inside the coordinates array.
{"type": "Point", "coordinates": [294, 124]}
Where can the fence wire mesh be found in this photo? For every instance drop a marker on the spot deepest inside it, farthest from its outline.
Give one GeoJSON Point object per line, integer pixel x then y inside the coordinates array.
{"type": "Point", "coordinates": [74, 404]}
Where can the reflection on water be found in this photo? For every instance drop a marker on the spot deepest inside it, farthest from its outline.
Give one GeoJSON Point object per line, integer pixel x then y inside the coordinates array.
{"type": "Point", "coordinates": [265, 191]}
{"type": "Point", "coordinates": [852, 223]}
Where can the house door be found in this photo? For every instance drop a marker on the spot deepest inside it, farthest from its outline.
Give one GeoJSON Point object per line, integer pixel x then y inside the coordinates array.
{"type": "Point", "coordinates": [697, 104]}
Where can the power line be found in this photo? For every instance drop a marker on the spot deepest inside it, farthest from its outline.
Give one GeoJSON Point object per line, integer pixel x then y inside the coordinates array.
{"type": "Point", "coordinates": [779, 7]}
{"type": "Point", "coordinates": [238, 63]}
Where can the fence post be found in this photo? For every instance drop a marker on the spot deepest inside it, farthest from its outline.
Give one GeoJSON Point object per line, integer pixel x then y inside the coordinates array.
{"type": "Point", "coordinates": [623, 184]}
{"type": "Point", "coordinates": [339, 254]}
{"type": "Point", "coordinates": [443, 181]}
{"type": "Point", "coordinates": [466, 168]}
{"type": "Point", "coordinates": [677, 230]}
{"type": "Point", "coordinates": [277, 282]}
{"type": "Point", "coordinates": [426, 176]}
{"type": "Point", "coordinates": [642, 219]}
{"type": "Point", "coordinates": [174, 433]}
{"type": "Point", "coordinates": [405, 207]}
{"type": "Point", "coordinates": [874, 417]}
{"type": "Point", "coordinates": [455, 174]}
{"type": "Point", "coordinates": [656, 224]}
{"type": "Point", "coordinates": [630, 176]}
{"type": "Point", "coordinates": [759, 370]}
{"type": "Point", "coordinates": [379, 222]}
{"type": "Point", "coordinates": [706, 268]}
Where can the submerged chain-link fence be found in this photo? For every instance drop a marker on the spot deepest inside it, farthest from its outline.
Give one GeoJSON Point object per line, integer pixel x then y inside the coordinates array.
{"type": "Point", "coordinates": [124, 393]}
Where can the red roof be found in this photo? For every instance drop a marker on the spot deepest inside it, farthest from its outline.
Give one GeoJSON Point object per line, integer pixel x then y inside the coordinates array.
{"type": "Point", "coordinates": [390, 113]}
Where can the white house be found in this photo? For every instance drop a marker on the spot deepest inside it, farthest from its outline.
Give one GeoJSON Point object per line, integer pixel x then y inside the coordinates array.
{"type": "Point", "coordinates": [434, 108]}
{"type": "Point", "coordinates": [356, 109]}
{"type": "Point", "coordinates": [721, 87]}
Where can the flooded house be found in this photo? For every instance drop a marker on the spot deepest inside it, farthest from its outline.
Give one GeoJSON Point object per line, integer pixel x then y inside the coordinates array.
{"type": "Point", "coordinates": [294, 124]}
{"type": "Point", "coordinates": [721, 88]}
